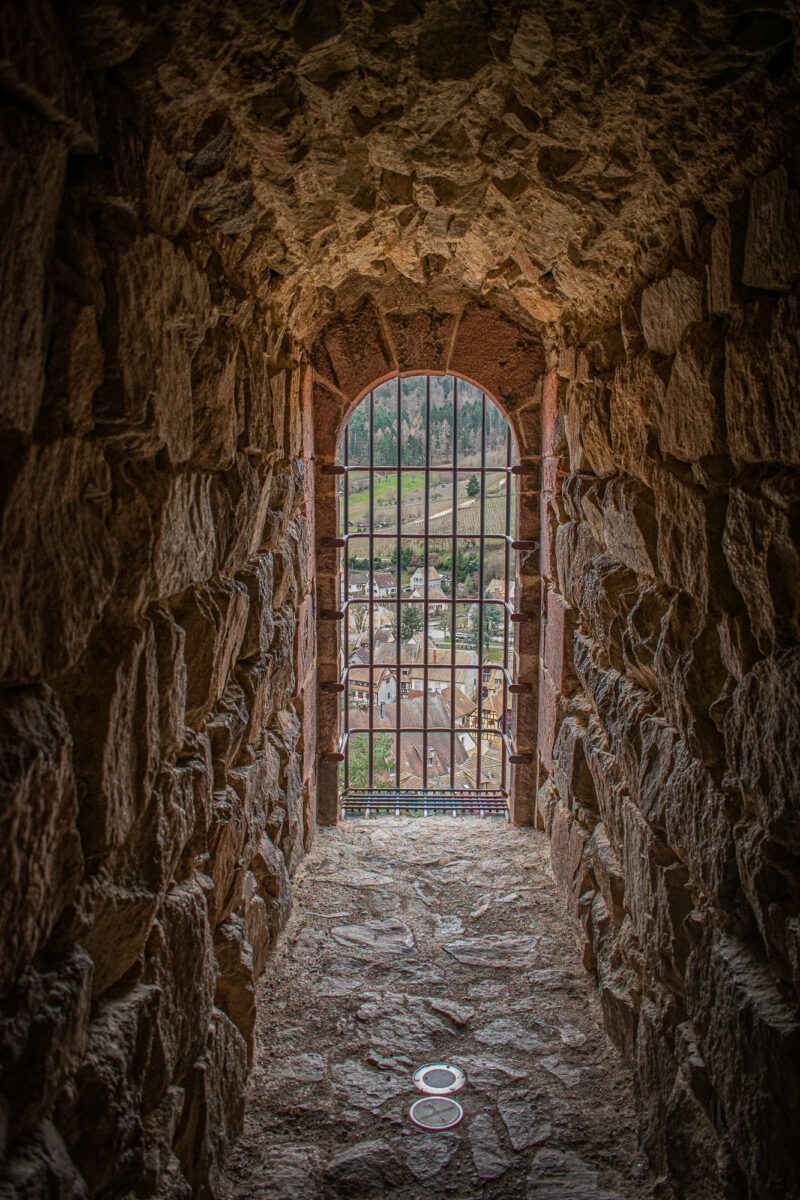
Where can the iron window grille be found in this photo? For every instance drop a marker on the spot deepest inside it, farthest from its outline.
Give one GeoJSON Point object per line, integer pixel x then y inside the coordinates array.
{"type": "Point", "coordinates": [481, 471]}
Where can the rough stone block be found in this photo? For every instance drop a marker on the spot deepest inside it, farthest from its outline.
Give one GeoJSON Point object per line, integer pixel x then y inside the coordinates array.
{"type": "Point", "coordinates": [105, 1104]}
{"type": "Point", "coordinates": [41, 1046]}
{"type": "Point", "coordinates": [621, 516]}
{"type": "Point", "coordinates": [772, 248]}
{"type": "Point", "coordinates": [163, 310]}
{"type": "Point", "coordinates": [608, 872]}
{"type": "Point", "coordinates": [762, 738]}
{"type": "Point", "coordinates": [618, 1001]}
{"type": "Point", "coordinates": [554, 394]}
{"type": "Point", "coordinates": [114, 720]}
{"type": "Point", "coordinates": [621, 707]}
{"type": "Point", "coordinates": [607, 593]}
{"type": "Point", "coordinates": [668, 306]}
{"type": "Point", "coordinates": [34, 161]}
{"type": "Point", "coordinates": [727, 260]}
{"type": "Point", "coordinates": [40, 855]}
{"type": "Point", "coordinates": [690, 525]}
{"type": "Point", "coordinates": [214, 618]}
{"type": "Point", "coordinates": [235, 993]}
{"type": "Point", "coordinates": [558, 635]}
{"type": "Point", "coordinates": [548, 720]}
{"type": "Point", "coordinates": [762, 361]}
{"type": "Point", "coordinates": [635, 404]}
{"type": "Point", "coordinates": [213, 1111]}
{"type": "Point", "coordinates": [188, 548]}
{"type": "Point", "coordinates": [179, 961]}
{"type": "Point", "coordinates": [41, 74]}
{"type": "Point", "coordinates": [657, 899]}
{"type": "Point", "coordinates": [214, 416]}
{"type": "Point", "coordinates": [259, 630]}
{"type": "Point", "coordinates": [750, 1040]}
{"type": "Point", "coordinates": [569, 842]}
{"type": "Point", "coordinates": [570, 771]}
{"type": "Point", "coordinates": [54, 529]}
{"type": "Point", "coordinates": [761, 543]}
{"type": "Point", "coordinates": [170, 641]}
{"type": "Point", "coordinates": [40, 1167]}
{"type": "Point", "coordinates": [691, 418]}
{"type": "Point", "coordinates": [691, 678]}
{"type": "Point", "coordinates": [575, 548]}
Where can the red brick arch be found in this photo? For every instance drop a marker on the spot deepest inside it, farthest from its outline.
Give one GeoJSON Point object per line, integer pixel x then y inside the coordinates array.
{"type": "Point", "coordinates": [355, 351]}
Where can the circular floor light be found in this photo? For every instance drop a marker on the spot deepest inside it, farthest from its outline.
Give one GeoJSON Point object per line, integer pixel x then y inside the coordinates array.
{"type": "Point", "coordinates": [436, 1112]}
{"type": "Point", "coordinates": [439, 1079]}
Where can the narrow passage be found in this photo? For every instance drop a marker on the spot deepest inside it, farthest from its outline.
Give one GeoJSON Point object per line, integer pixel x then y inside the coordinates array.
{"type": "Point", "coordinates": [416, 941]}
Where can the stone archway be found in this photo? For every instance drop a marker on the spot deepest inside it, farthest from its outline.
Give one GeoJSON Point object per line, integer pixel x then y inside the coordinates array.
{"type": "Point", "coordinates": [355, 350]}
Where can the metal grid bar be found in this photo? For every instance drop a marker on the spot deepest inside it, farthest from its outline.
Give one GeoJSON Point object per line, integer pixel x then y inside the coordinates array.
{"type": "Point", "coordinates": [506, 598]}
{"type": "Point", "coordinates": [447, 602]}
{"type": "Point", "coordinates": [371, 583]}
{"type": "Point", "coordinates": [425, 587]}
{"type": "Point", "coordinates": [345, 638]}
{"type": "Point", "coordinates": [359, 537]}
{"type": "Point", "coordinates": [420, 729]}
{"type": "Point", "coordinates": [398, 567]}
{"type": "Point", "coordinates": [453, 581]}
{"type": "Point", "coordinates": [427, 800]}
{"type": "Point", "coordinates": [479, 747]}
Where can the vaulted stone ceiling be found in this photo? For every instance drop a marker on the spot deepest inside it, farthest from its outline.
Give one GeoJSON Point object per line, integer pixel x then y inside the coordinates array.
{"type": "Point", "coordinates": [539, 156]}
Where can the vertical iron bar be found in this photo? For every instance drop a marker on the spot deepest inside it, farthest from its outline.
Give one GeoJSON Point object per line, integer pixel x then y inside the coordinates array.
{"type": "Point", "coordinates": [398, 518]}
{"type": "Point", "coordinates": [346, 622]}
{"type": "Point", "coordinates": [509, 478]}
{"type": "Point", "coordinates": [453, 592]}
{"type": "Point", "coordinates": [371, 583]}
{"type": "Point", "coordinates": [425, 585]}
{"type": "Point", "coordinates": [480, 590]}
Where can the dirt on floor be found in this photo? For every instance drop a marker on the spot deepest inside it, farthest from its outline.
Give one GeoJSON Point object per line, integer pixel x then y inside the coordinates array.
{"type": "Point", "coordinates": [417, 941]}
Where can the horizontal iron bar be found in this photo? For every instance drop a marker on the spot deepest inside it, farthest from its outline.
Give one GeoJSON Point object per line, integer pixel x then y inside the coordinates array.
{"type": "Point", "coordinates": [351, 469]}
{"type": "Point", "coordinates": [489, 808]}
{"type": "Point", "coordinates": [432, 537]}
{"type": "Point", "coordinates": [491, 793]}
{"type": "Point", "coordinates": [428, 800]}
{"type": "Point", "coordinates": [391, 667]}
{"type": "Point", "coordinates": [438, 729]}
{"type": "Point", "coordinates": [376, 600]}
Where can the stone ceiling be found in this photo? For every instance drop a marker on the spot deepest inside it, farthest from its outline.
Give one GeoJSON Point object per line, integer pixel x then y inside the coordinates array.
{"type": "Point", "coordinates": [542, 157]}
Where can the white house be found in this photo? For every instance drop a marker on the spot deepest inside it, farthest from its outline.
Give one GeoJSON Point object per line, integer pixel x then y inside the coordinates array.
{"type": "Point", "coordinates": [383, 584]}
{"type": "Point", "coordinates": [418, 578]}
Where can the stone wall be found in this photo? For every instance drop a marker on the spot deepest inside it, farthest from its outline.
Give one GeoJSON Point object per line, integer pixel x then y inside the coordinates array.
{"type": "Point", "coordinates": [669, 736]}
{"type": "Point", "coordinates": [153, 774]}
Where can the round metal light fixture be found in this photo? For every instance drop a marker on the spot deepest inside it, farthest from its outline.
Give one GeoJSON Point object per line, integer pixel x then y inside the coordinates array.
{"type": "Point", "coordinates": [436, 1112]}
{"type": "Point", "coordinates": [439, 1079]}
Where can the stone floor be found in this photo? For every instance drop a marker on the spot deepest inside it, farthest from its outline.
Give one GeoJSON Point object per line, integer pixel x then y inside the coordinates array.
{"type": "Point", "coordinates": [413, 941]}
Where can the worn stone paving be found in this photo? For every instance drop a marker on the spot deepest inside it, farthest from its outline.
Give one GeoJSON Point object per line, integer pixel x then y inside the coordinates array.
{"type": "Point", "coordinates": [413, 941]}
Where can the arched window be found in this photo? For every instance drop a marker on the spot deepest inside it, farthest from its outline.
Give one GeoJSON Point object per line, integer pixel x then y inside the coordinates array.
{"type": "Point", "coordinates": [427, 568]}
